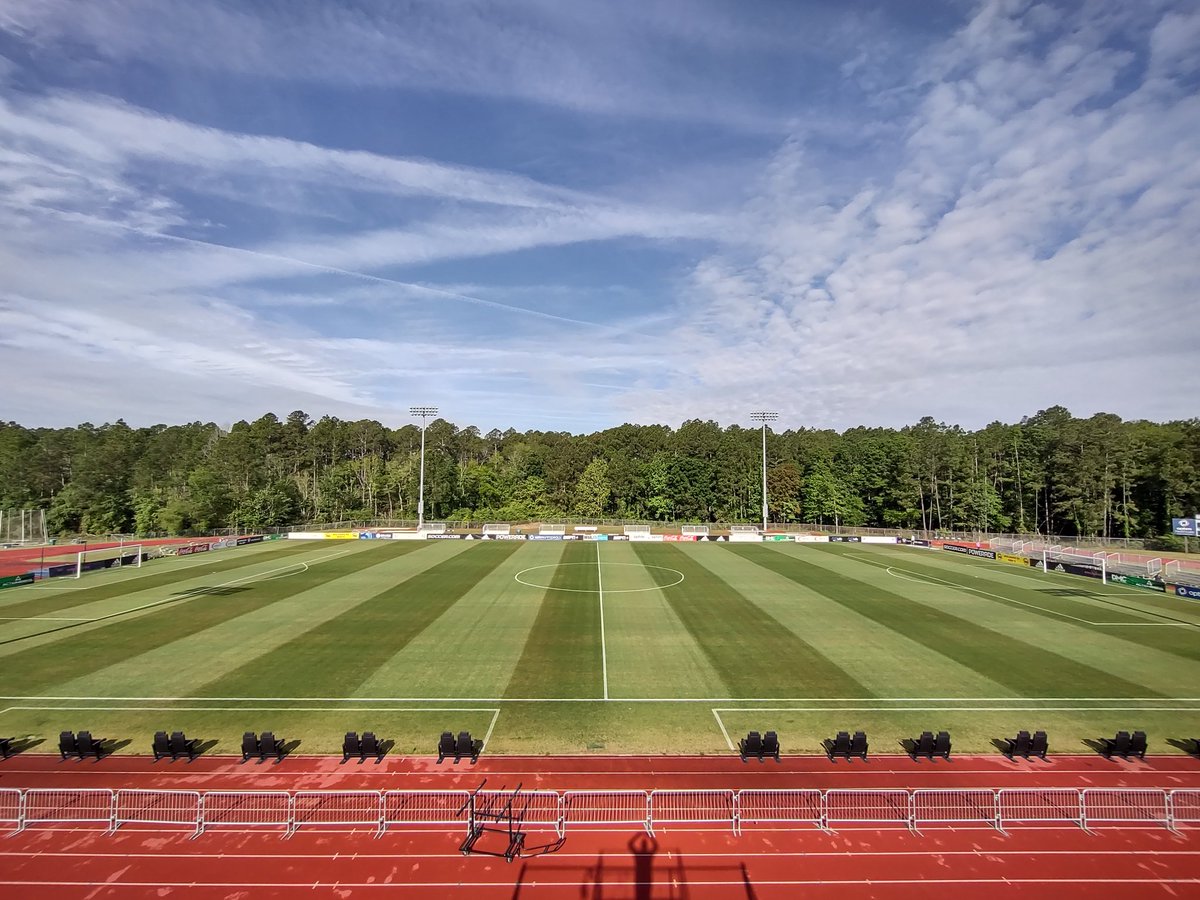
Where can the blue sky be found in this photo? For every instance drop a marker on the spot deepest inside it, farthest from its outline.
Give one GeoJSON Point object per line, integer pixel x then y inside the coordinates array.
{"type": "Point", "coordinates": [564, 215]}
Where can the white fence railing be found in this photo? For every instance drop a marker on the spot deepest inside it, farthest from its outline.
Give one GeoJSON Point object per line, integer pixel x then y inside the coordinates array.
{"type": "Point", "coordinates": [998, 808]}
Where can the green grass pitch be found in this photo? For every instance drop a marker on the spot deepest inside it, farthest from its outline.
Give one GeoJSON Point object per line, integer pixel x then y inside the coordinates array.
{"type": "Point", "coordinates": [578, 647]}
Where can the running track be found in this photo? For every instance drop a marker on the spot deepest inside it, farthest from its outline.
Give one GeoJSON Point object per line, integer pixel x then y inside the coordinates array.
{"type": "Point", "coordinates": [619, 864]}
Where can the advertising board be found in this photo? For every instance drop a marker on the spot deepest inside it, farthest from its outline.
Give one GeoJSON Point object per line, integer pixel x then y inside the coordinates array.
{"type": "Point", "coordinates": [970, 551]}
{"type": "Point", "coordinates": [432, 536]}
{"type": "Point", "coordinates": [1186, 590]}
{"type": "Point", "coordinates": [1137, 581]}
{"type": "Point", "coordinates": [1013, 560]}
{"type": "Point", "coordinates": [1186, 527]}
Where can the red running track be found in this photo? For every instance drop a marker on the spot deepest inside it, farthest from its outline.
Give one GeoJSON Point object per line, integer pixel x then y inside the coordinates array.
{"type": "Point", "coordinates": [19, 560]}
{"type": "Point", "coordinates": [620, 864]}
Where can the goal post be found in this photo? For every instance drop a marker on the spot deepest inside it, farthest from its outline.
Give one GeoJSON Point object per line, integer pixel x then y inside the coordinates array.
{"type": "Point", "coordinates": [497, 528]}
{"type": "Point", "coordinates": [126, 555]}
{"type": "Point", "coordinates": [636, 529]}
{"type": "Point", "coordinates": [695, 530]}
{"type": "Point", "coordinates": [551, 529]}
{"type": "Point", "coordinates": [23, 526]}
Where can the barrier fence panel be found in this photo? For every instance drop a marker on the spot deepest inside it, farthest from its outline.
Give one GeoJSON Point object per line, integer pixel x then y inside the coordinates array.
{"type": "Point", "coordinates": [795, 807]}
{"type": "Point", "coordinates": [142, 807]}
{"type": "Point", "coordinates": [529, 808]}
{"type": "Point", "coordinates": [691, 807]}
{"type": "Point", "coordinates": [424, 808]}
{"type": "Point", "coordinates": [1185, 807]}
{"type": "Point", "coordinates": [957, 806]}
{"type": "Point", "coordinates": [10, 806]}
{"type": "Point", "coordinates": [1040, 805]}
{"type": "Point", "coordinates": [1125, 805]}
{"type": "Point", "coordinates": [346, 808]}
{"type": "Point", "coordinates": [606, 808]}
{"type": "Point", "coordinates": [873, 807]}
{"type": "Point", "coordinates": [246, 808]}
{"type": "Point", "coordinates": [74, 805]}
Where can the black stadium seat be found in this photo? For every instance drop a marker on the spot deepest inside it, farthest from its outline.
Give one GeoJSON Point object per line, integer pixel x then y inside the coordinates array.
{"type": "Point", "coordinates": [351, 746]}
{"type": "Point", "coordinates": [249, 745]}
{"type": "Point", "coordinates": [445, 745]}
{"type": "Point", "coordinates": [67, 745]}
{"type": "Point", "coordinates": [162, 746]}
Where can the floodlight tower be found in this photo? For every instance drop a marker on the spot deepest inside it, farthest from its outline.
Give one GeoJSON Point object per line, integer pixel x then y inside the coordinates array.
{"type": "Point", "coordinates": [764, 417]}
{"type": "Point", "coordinates": [424, 412]}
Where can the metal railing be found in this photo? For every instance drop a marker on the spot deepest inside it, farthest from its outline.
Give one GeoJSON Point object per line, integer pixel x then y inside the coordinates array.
{"type": "Point", "coordinates": [998, 808]}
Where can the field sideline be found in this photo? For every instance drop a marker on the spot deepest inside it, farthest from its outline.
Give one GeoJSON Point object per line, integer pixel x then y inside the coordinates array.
{"type": "Point", "coordinates": [581, 647]}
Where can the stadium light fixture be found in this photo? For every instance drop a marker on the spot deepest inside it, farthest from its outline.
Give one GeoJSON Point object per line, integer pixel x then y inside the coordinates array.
{"type": "Point", "coordinates": [764, 417]}
{"type": "Point", "coordinates": [424, 412]}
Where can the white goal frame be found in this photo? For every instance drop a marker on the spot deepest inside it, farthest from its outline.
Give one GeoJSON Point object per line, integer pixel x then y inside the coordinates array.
{"type": "Point", "coordinates": [744, 529]}
{"type": "Point", "coordinates": [698, 530]}
{"type": "Point", "coordinates": [122, 551]}
{"type": "Point", "coordinates": [636, 529]}
{"type": "Point", "coordinates": [433, 528]}
{"type": "Point", "coordinates": [497, 528]}
{"type": "Point", "coordinates": [550, 529]}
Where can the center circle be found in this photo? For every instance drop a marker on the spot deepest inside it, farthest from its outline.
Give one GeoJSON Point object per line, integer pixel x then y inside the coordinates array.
{"type": "Point", "coordinates": [550, 587]}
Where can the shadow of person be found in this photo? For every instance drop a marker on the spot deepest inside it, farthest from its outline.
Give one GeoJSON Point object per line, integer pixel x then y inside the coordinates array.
{"type": "Point", "coordinates": [643, 847]}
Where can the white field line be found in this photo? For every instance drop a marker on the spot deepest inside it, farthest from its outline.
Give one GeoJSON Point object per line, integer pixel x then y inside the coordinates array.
{"type": "Point", "coordinates": [491, 727]}
{"type": "Point", "coordinates": [44, 619]}
{"type": "Point", "coordinates": [196, 699]}
{"type": "Point", "coordinates": [938, 582]}
{"type": "Point", "coordinates": [603, 643]}
{"type": "Point", "coordinates": [721, 725]}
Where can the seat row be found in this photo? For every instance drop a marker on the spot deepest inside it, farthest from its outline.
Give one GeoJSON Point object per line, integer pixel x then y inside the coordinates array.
{"type": "Point", "coordinates": [462, 746]}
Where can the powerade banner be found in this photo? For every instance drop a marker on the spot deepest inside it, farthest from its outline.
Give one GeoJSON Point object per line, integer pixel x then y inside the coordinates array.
{"type": "Point", "coordinates": [845, 539]}
{"type": "Point", "coordinates": [1184, 590]}
{"type": "Point", "coordinates": [1137, 581]}
{"type": "Point", "coordinates": [970, 551]}
{"type": "Point", "coordinates": [510, 537]}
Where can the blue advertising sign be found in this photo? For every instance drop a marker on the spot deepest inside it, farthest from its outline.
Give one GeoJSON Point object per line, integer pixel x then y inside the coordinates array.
{"type": "Point", "coordinates": [1184, 590]}
{"type": "Point", "coordinates": [1186, 527]}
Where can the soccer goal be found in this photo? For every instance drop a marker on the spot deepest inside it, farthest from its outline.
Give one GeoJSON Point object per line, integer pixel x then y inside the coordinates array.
{"type": "Point", "coordinates": [637, 529]}
{"type": "Point", "coordinates": [109, 558]}
{"type": "Point", "coordinates": [497, 528]}
{"type": "Point", "coordinates": [434, 528]}
{"type": "Point", "coordinates": [694, 530]}
{"type": "Point", "coordinates": [552, 530]}
{"type": "Point", "coordinates": [743, 529]}
{"type": "Point", "coordinates": [22, 526]}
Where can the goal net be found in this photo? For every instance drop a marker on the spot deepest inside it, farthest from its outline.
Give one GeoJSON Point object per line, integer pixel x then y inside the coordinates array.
{"type": "Point", "coordinates": [743, 529]}
{"type": "Point", "coordinates": [637, 529]}
{"type": "Point", "coordinates": [22, 526]}
{"type": "Point", "coordinates": [552, 529]}
{"type": "Point", "coordinates": [108, 558]}
{"type": "Point", "coordinates": [495, 529]}
{"type": "Point", "coordinates": [701, 530]}
{"type": "Point", "coordinates": [434, 527]}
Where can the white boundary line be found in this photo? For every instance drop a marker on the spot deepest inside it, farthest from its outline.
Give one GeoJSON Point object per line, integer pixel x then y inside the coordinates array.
{"type": "Point", "coordinates": [603, 642]}
{"type": "Point", "coordinates": [201, 699]}
{"type": "Point", "coordinates": [720, 725]}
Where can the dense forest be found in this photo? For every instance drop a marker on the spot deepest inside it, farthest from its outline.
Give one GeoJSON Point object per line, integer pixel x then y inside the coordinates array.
{"type": "Point", "coordinates": [1051, 473]}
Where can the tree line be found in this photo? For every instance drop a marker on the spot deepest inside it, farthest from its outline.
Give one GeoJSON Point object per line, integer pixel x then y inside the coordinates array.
{"type": "Point", "coordinates": [1049, 473]}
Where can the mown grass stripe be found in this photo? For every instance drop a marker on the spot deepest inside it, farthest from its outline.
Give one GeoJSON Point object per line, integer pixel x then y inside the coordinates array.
{"type": "Point", "coordinates": [48, 604]}
{"type": "Point", "coordinates": [335, 657]}
{"type": "Point", "coordinates": [754, 653]}
{"type": "Point", "coordinates": [1020, 665]}
{"type": "Point", "coordinates": [561, 657]}
{"type": "Point", "coordinates": [38, 669]}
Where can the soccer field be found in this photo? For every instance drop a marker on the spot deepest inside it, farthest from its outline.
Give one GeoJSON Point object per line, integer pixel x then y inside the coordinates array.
{"type": "Point", "coordinates": [576, 647]}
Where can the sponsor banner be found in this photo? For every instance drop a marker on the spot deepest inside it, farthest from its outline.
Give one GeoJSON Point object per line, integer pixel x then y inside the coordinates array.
{"type": "Point", "coordinates": [535, 537]}
{"type": "Point", "coordinates": [877, 539]}
{"type": "Point", "coordinates": [679, 537]}
{"type": "Point", "coordinates": [340, 535]}
{"type": "Point", "coordinates": [810, 538]}
{"type": "Point", "coordinates": [970, 551]}
{"type": "Point", "coordinates": [646, 537]}
{"type": "Point", "coordinates": [430, 536]}
{"type": "Point", "coordinates": [367, 535]}
{"type": "Point", "coordinates": [17, 580]}
{"type": "Point", "coordinates": [1068, 568]}
{"type": "Point", "coordinates": [777, 537]}
{"type": "Point", "coordinates": [593, 537]}
{"type": "Point", "coordinates": [618, 537]}
{"type": "Point", "coordinates": [914, 542]}
{"type": "Point", "coordinates": [845, 539]}
{"type": "Point", "coordinates": [192, 548]}
{"type": "Point", "coordinates": [223, 544]}
{"type": "Point", "coordinates": [305, 536]}
{"type": "Point", "coordinates": [253, 539]}
{"type": "Point", "coordinates": [1014, 560]}
{"type": "Point", "coordinates": [1186, 527]}
{"type": "Point", "coordinates": [1137, 581]}
{"type": "Point", "coordinates": [274, 537]}
{"type": "Point", "coordinates": [745, 537]}
{"type": "Point", "coordinates": [1186, 590]}
{"type": "Point", "coordinates": [406, 535]}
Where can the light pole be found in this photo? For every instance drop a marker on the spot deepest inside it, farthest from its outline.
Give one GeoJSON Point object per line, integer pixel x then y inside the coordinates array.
{"type": "Point", "coordinates": [764, 417]}
{"type": "Point", "coordinates": [424, 412]}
